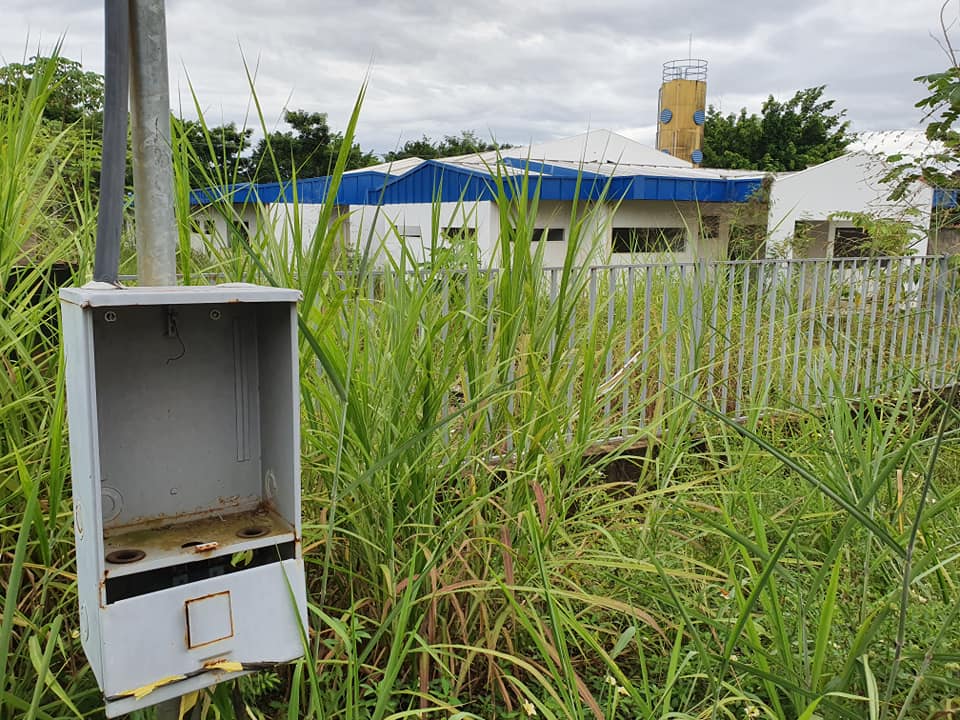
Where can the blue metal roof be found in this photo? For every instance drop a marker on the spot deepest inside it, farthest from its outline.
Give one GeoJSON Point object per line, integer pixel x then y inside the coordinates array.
{"type": "Point", "coordinates": [544, 168]}
{"type": "Point", "coordinates": [353, 190]}
{"type": "Point", "coordinates": [436, 180]}
{"type": "Point", "coordinates": [946, 198]}
{"type": "Point", "coordinates": [648, 187]}
{"type": "Point", "coordinates": [447, 182]}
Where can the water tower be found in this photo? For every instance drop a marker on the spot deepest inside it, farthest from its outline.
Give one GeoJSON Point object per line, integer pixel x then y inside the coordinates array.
{"type": "Point", "coordinates": [683, 101]}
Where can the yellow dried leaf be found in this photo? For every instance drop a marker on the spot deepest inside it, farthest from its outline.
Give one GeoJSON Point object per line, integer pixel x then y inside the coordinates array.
{"type": "Point", "coordinates": [224, 665]}
{"type": "Point", "coordinates": [147, 689]}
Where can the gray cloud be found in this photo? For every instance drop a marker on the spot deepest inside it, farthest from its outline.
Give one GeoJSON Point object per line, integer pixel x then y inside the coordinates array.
{"type": "Point", "coordinates": [520, 71]}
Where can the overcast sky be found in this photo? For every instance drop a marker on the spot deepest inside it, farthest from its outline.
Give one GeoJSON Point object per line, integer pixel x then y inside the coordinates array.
{"type": "Point", "coordinates": [515, 70]}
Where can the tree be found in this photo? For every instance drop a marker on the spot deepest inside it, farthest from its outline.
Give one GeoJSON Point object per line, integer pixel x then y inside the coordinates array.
{"type": "Point", "coordinates": [71, 117]}
{"type": "Point", "coordinates": [938, 164]}
{"type": "Point", "coordinates": [310, 149]}
{"type": "Point", "coordinates": [75, 95]}
{"type": "Point", "coordinates": [464, 144]}
{"type": "Point", "coordinates": [793, 135]}
{"type": "Point", "coordinates": [217, 152]}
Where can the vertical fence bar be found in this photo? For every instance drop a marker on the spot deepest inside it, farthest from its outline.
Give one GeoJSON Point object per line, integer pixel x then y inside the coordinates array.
{"type": "Point", "coordinates": [888, 309]}
{"type": "Point", "coordinates": [860, 375]}
{"type": "Point", "coordinates": [697, 310]}
{"type": "Point", "coordinates": [821, 366]}
{"type": "Point", "coordinates": [662, 337]}
{"type": "Point", "coordinates": [811, 331]}
{"type": "Point", "coordinates": [795, 394]}
{"type": "Point", "coordinates": [920, 309]}
{"type": "Point", "coordinates": [949, 324]}
{"type": "Point", "coordinates": [628, 351]}
{"type": "Point", "coordinates": [728, 339]}
{"type": "Point", "coordinates": [612, 282]}
{"type": "Point", "coordinates": [897, 321]}
{"type": "Point", "coordinates": [847, 334]}
{"type": "Point", "coordinates": [716, 277]}
{"type": "Point", "coordinates": [953, 328]}
{"type": "Point", "coordinates": [929, 310]}
{"type": "Point", "coordinates": [678, 329]}
{"type": "Point", "coordinates": [647, 309]}
{"type": "Point", "coordinates": [871, 330]}
{"type": "Point", "coordinates": [742, 340]}
{"type": "Point", "coordinates": [757, 325]}
{"type": "Point", "coordinates": [836, 287]}
{"type": "Point", "coordinates": [907, 317]}
{"type": "Point", "coordinates": [771, 334]}
{"type": "Point", "coordinates": [933, 377]}
{"type": "Point", "coordinates": [788, 320]}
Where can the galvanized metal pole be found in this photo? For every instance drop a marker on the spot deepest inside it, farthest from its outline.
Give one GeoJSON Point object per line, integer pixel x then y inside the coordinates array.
{"type": "Point", "coordinates": [152, 156]}
{"type": "Point", "coordinates": [152, 166]}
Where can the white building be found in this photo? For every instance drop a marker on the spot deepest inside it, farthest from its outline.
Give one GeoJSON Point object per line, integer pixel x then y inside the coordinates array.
{"type": "Point", "coordinates": [813, 213]}
{"type": "Point", "coordinates": [635, 204]}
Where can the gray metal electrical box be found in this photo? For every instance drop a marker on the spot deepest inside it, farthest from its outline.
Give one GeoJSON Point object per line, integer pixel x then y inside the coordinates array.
{"type": "Point", "coordinates": [183, 405]}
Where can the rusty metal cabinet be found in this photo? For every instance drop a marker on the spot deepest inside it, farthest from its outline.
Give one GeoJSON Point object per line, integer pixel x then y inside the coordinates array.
{"type": "Point", "coordinates": [183, 407]}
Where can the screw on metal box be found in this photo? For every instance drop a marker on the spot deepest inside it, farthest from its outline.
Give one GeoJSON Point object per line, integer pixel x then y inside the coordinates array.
{"type": "Point", "coordinates": [110, 316]}
{"type": "Point", "coordinates": [215, 314]}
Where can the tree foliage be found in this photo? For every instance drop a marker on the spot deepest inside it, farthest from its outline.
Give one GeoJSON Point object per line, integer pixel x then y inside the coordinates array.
{"type": "Point", "coordinates": [451, 145]}
{"type": "Point", "coordinates": [217, 151]}
{"type": "Point", "coordinates": [939, 164]}
{"type": "Point", "coordinates": [75, 94]}
{"type": "Point", "coordinates": [71, 118]}
{"type": "Point", "coordinates": [792, 135]}
{"type": "Point", "coordinates": [308, 149]}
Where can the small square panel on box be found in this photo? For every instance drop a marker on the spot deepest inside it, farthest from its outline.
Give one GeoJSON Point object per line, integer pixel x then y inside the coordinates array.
{"type": "Point", "coordinates": [209, 619]}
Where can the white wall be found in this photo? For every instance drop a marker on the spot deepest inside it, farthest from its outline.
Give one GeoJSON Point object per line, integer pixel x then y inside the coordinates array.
{"type": "Point", "coordinates": [380, 227]}
{"type": "Point", "coordinates": [278, 218]}
{"type": "Point", "coordinates": [555, 214]}
{"type": "Point", "coordinates": [851, 183]}
{"type": "Point", "coordinates": [211, 223]}
{"type": "Point", "coordinates": [598, 220]}
{"type": "Point", "coordinates": [662, 214]}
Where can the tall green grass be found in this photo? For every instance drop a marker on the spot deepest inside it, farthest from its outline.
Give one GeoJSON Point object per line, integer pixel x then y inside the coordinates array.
{"type": "Point", "coordinates": [41, 224]}
{"type": "Point", "coordinates": [475, 545]}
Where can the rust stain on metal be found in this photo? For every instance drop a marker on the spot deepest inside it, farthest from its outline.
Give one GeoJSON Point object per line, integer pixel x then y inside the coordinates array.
{"type": "Point", "coordinates": [209, 596]}
{"type": "Point", "coordinates": [206, 547]}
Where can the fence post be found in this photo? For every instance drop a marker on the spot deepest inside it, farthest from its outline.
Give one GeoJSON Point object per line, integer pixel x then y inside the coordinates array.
{"type": "Point", "coordinates": [699, 282]}
{"type": "Point", "coordinates": [936, 373]}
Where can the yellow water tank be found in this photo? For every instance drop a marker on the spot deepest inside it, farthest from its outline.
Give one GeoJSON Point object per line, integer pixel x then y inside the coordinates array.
{"type": "Point", "coordinates": [682, 112]}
